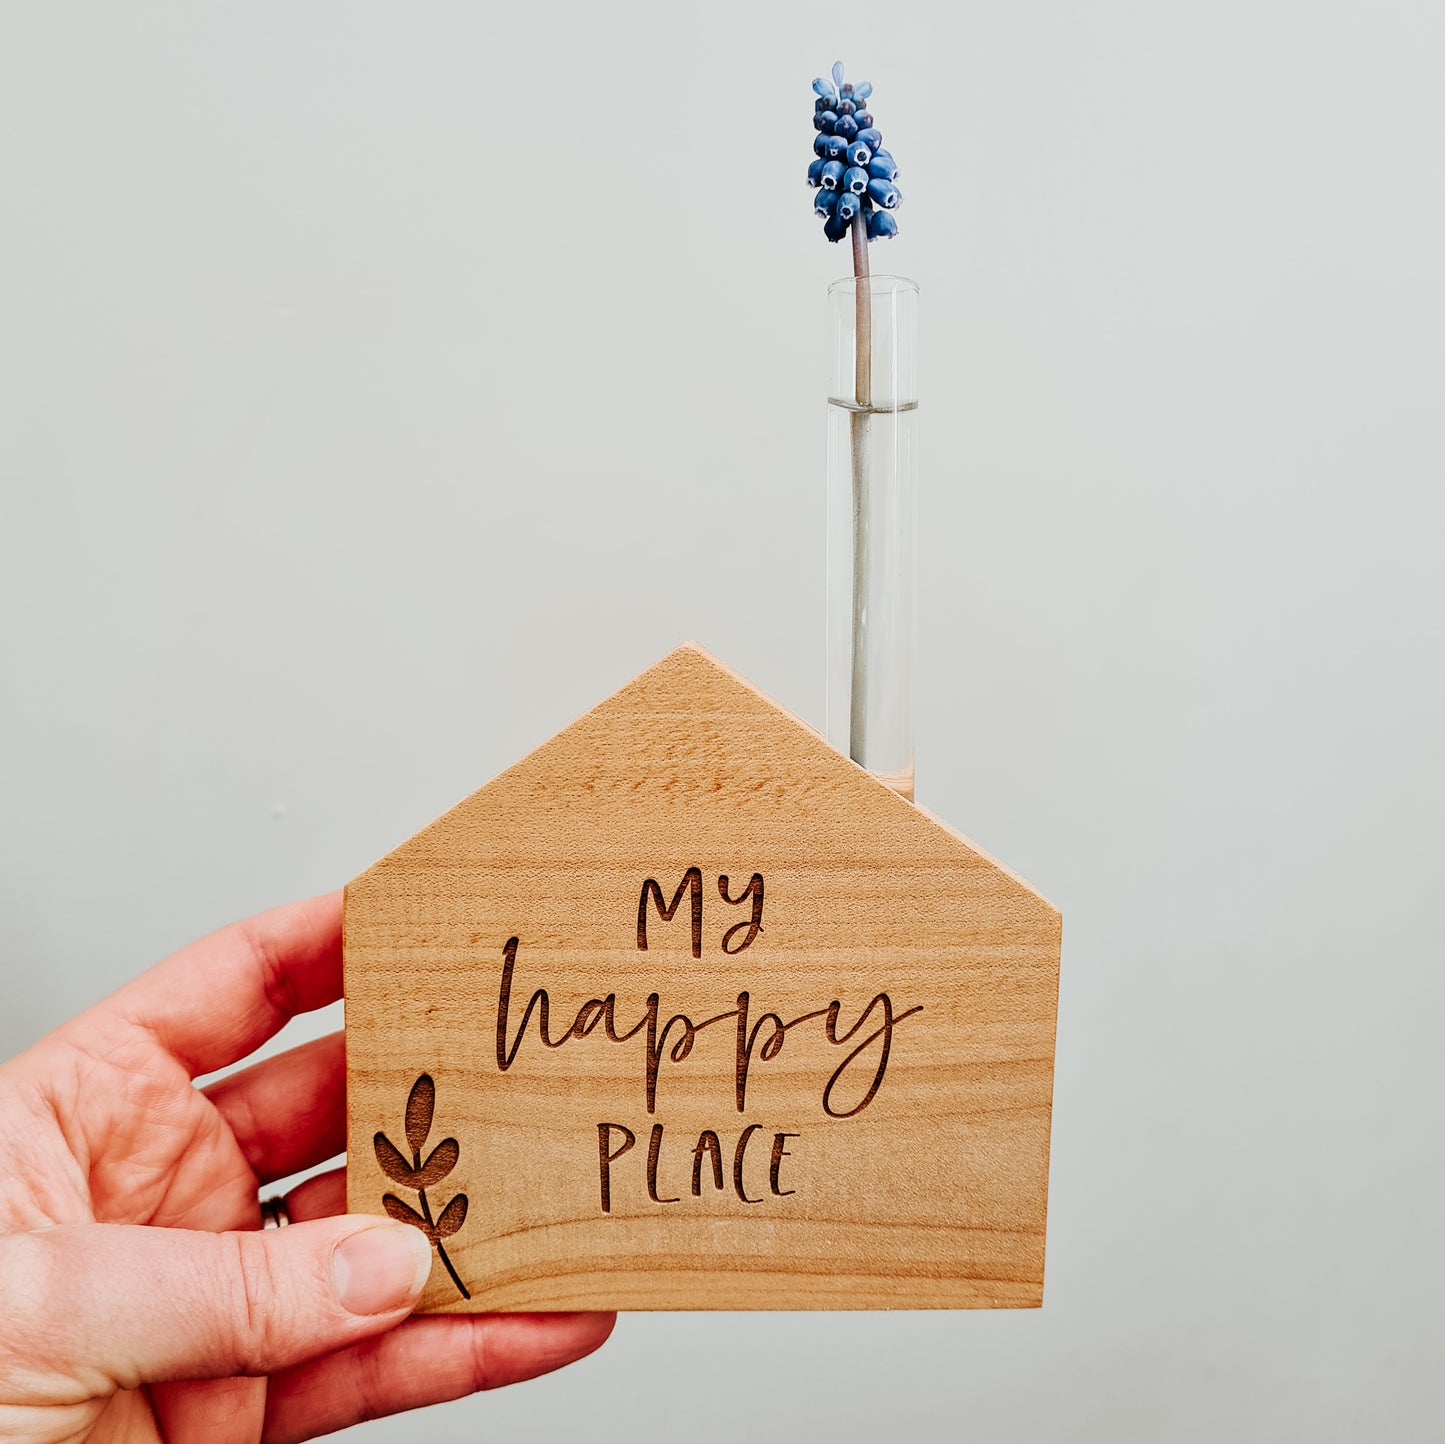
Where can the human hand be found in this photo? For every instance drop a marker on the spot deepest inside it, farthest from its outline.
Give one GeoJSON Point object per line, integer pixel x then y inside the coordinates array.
{"type": "Point", "coordinates": [139, 1300]}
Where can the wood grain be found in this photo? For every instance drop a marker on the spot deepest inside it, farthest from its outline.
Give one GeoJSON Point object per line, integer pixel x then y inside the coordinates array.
{"type": "Point", "coordinates": [806, 899]}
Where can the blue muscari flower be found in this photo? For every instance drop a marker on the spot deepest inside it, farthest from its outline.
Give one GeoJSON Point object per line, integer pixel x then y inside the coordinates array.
{"type": "Point", "coordinates": [853, 174]}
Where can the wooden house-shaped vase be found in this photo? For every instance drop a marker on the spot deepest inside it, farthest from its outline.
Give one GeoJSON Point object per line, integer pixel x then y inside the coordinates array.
{"type": "Point", "coordinates": [686, 1010]}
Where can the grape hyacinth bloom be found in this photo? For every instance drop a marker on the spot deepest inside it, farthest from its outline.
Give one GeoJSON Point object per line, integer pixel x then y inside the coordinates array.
{"type": "Point", "coordinates": [850, 159]}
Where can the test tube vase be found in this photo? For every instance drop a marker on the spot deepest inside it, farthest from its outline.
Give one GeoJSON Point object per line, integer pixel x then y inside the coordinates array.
{"type": "Point", "coordinates": [872, 523]}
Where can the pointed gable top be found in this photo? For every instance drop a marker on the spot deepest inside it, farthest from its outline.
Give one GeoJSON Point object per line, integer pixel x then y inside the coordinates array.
{"type": "Point", "coordinates": [679, 738]}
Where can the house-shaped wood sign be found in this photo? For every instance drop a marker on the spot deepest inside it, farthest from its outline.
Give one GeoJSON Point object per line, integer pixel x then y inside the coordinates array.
{"type": "Point", "coordinates": [687, 1011]}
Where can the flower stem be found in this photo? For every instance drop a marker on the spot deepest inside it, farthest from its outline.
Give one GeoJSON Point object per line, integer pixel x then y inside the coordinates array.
{"type": "Point", "coordinates": [858, 437]}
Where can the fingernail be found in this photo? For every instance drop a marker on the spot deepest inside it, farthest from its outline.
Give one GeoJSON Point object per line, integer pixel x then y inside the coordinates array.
{"type": "Point", "coordinates": [381, 1268]}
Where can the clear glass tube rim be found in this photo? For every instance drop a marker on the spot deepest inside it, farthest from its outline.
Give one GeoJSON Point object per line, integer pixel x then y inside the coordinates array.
{"type": "Point", "coordinates": [882, 284]}
{"type": "Point", "coordinates": [893, 366]}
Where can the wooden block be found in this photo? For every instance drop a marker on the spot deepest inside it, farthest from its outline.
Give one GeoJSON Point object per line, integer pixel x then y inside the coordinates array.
{"type": "Point", "coordinates": [687, 1011]}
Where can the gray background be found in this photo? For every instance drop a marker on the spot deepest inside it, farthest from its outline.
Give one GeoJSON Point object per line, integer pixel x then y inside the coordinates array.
{"type": "Point", "coordinates": [382, 385]}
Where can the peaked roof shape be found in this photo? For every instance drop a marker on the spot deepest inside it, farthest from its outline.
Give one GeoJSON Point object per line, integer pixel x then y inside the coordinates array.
{"type": "Point", "coordinates": [678, 735]}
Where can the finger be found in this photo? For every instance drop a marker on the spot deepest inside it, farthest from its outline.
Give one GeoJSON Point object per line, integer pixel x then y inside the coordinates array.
{"type": "Point", "coordinates": [220, 1411]}
{"type": "Point", "coordinates": [289, 1112]}
{"type": "Point", "coordinates": [220, 998]}
{"type": "Point", "coordinates": [318, 1197]}
{"type": "Point", "coordinates": [425, 1361]}
{"type": "Point", "coordinates": [139, 1305]}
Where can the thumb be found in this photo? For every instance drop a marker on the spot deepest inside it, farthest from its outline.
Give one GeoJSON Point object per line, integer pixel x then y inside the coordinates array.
{"type": "Point", "coordinates": [139, 1305]}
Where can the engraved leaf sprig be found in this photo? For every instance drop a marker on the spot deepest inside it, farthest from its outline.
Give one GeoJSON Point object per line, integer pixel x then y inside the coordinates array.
{"type": "Point", "coordinates": [422, 1174]}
